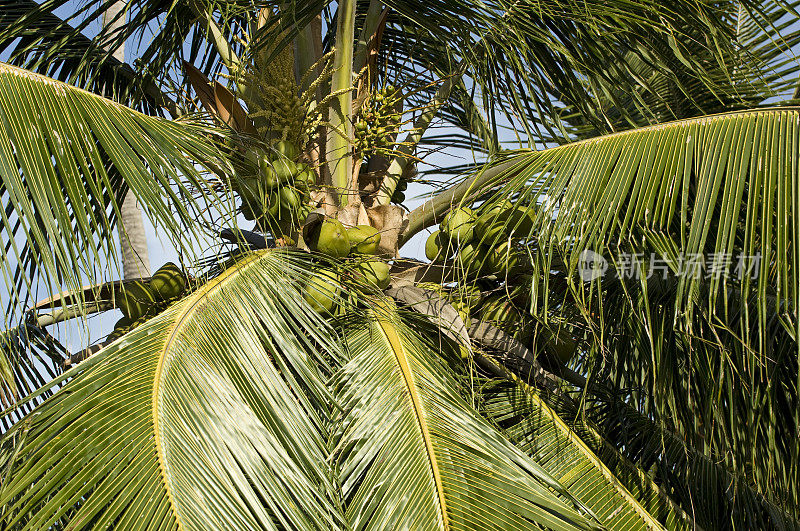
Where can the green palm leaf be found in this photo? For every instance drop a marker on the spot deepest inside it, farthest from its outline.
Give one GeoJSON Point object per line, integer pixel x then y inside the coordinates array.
{"type": "Point", "coordinates": [211, 414]}
{"type": "Point", "coordinates": [542, 434]}
{"type": "Point", "coordinates": [29, 359]}
{"type": "Point", "coordinates": [414, 455]}
{"type": "Point", "coordinates": [721, 185]}
{"type": "Point", "coordinates": [66, 159]}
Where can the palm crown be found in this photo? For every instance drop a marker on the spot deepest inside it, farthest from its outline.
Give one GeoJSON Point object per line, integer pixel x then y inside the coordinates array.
{"type": "Point", "coordinates": [604, 336]}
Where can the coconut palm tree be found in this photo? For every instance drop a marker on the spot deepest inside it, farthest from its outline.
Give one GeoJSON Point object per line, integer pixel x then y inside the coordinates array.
{"type": "Point", "coordinates": [604, 334]}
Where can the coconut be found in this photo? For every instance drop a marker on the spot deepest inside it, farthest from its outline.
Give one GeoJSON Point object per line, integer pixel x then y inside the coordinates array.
{"type": "Point", "coordinates": [459, 225]}
{"type": "Point", "coordinates": [287, 149]}
{"type": "Point", "coordinates": [521, 221]}
{"type": "Point", "coordinates": [321, 291]}
{"type": "Point", "coordinates": [498, 311]}
{"type": "Point", "coordinates": [434, 244]}
{"type": "Point", "coordinates": [268, 172]}
{"type": "Point", "coordinates": [289, 199]}
{"type": "Point", "coordinates": [560, 345]}
{"type": "Point", "coordinates": [502, 259]}
{"type": "Point", "coordinates": [135, 299]}
{"type": "Point", "coordinates": [331, 239]}
{"type": "Point", "coordinates": [168, 282]}
{"type": "Point", "coordinates": [285, 170]}
{"type": "Point", "coordinates": [471, 258]}
{"type": "Point", "coordinates": [364, 239]}
{"type": "Point", "coordinates": [374, 271]}
{"type": "Point", "coordinates": [467, 297]}
{"type": "Point", "coordinates": [491, 221]}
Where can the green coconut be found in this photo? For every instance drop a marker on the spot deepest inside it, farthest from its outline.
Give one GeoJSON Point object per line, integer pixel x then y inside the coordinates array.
{"type": "Point", "coordinates": [168, 282]}
{"type": "Point", "coordinates": [267, 170]}
{"type": "Point", "coordinates": [364, 239]}
{"type": "Point", "coordinates": [321, 291]}
{"type": "Point", "coordinates": [331, 239]}
{"type": "Point", "coordinates": [285, 170]}
{"type": "Point", "coordinates": [491, 221]}
{"type": "Point", "coordinates": [471, 259]}
{"type": "Point", "coordinates": [287, 149]}
{"type": "Point", "coordinates": [559, 345]}
{"type": "Point", "coordinates": [306, 174]}
{"type": "Point", "coordinates": [136, 299]}
{"type": "Point", "coordinates": [250, 189]}
{"type": "Point", "coordinates": [459, 225]}
{"type": "Point", "coordinates": [467, 297]}
{"type": "Point", "coordinates": [498, 311]}
{"type": "Point", "coordinates": [123, 324]}
{"type": "Point", "coordinates": [501, 259]}
{"type": "Point", "coordinates": [374, 271]}
{"type": "Point", "coordinates": [521, 221]}
{"type": "Point", "coordinates": [434, 246]}
{"type": "Point", "coordinates": [289, 199]}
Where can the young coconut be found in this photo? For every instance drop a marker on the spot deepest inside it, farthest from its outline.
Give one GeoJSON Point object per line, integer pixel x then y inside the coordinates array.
{"type": "Point", "coordinates": [321, 291]}
{"type": "Point", "coordinates": [491, 223]}
{"type": "Point", "coordinates": [433, 246]}
{"type": "Point", "coordinates": [499, 312]}
{"type": "Point", "coordinates": [459, 225]}
{"type": "Point", "coordinates": [375, 271]}
{"type": "Point", "coordinates": [329, 237]}
{"type": "Point", "coordinates": [168, 282]}
{"type": "Point", "coordinates": [364, 239]}
{"type": "Point", "coordinates": [136, 299]}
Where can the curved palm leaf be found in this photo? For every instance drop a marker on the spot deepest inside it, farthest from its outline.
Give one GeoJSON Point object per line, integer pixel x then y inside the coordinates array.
{"type": "Point", "coordinates": [34, 38]}
{"type": "Point", "coordinates": [683, 346]}
{"type": "Point", "coordinates": [543, 435]}
{"type": "Point", "coordinates": [37, 38]}
{"type": "Point", "coordinates": [413, 454]}
{"type": "Point", "coordinates": [210, 415]}
{"type": "Point", "coordinates": [67, 157]}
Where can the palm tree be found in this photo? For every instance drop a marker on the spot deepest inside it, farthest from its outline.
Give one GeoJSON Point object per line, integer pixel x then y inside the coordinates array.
{"type": "Point", "coordinates": [604, 336]}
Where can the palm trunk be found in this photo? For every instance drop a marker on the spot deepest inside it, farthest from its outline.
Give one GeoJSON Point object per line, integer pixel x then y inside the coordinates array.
{"type": "Point", "coordinates": [132, 236]}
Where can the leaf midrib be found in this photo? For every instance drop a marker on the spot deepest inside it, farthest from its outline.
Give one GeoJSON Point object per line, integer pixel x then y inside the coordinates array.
{"type": "Point", "coordinates": [192, 304]}
{"type": "Point", "coordinates": [391, 336]}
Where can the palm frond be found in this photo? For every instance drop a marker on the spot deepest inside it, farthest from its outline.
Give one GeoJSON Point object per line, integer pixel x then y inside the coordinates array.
{"type": "Point", "coordinates": [67, 158]}
{"type": "Point", "coordinates": [210, 415]}
{"type": "Point", "coordinates": [681, 346]}
{"type": "Point", "coordinates": [542, 434]}
{"type": "Point", "coordinates": [33, 37]}
{"type": "Point", "coordinates": [760, 66]}
{"type": "Point", "coordinates": [414, 454]}
{"type": "Point", "coordinates": [712, 492]}
{"type": "Point", "coordinates": [29, 359]}
{"type": "Point", "coordinates": [165, 33]}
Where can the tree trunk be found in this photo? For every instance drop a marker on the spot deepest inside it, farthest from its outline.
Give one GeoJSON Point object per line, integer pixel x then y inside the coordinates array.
{"type": "Point", "coordinates": [132, 236]}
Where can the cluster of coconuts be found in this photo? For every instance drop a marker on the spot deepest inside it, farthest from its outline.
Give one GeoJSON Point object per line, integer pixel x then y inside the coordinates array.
{"type": "Point", "coordinates": [274, 187]}
{"type": "Point", "coordinates": [377, 125]}
{"type": "Point", "coordinates": [140, 300]}
{"type": "Point", "coordinates": [491, 274]}
{"type": "Point", "coordinates": [359, 244]}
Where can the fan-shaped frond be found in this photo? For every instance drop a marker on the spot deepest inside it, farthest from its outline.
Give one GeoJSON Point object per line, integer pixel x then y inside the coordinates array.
{"type": "Point", "coordinates": [696, 222]}
{"type": "Point", "coordinates": [29, 358]}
